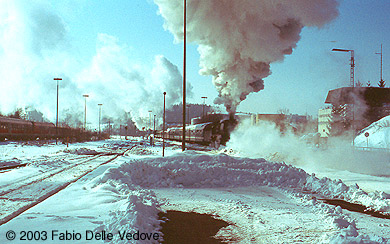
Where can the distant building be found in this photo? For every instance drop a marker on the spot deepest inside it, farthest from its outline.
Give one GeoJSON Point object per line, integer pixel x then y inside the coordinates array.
{"type": "Point", "coordinates": [294, 122]}
{"type": "Point", "coordinates": [324, 120]}
{"type": "Point", "coordinates": [34, 115]}
{"type": "Point", "coordinates": [363, 105]}
{"type": "Point", "coordinates": [275, 118]}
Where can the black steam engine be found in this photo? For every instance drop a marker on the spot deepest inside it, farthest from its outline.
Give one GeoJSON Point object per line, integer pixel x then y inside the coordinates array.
{"type": "Point", "coordinates": [212, 129]}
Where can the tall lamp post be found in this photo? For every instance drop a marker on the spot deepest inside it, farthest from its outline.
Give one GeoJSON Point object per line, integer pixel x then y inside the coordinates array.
{"type": "Point", "coordinates": [188, 116]}
{"type": "Point", "coordinates": [163, 135]}
{"type": "Point", "coordinates": [204, 102]}
{"type": "Point", "coordinates": [183, 143]}
{"type": "Point", "coordinates": [150, 119]}
{"type": "Point", "coordinates": [154, 128]}
{"type": "Point", "coordinates": [100, 115]}
{"type": "Point", "coordinates": [57, 79]}
{"type": "Point", "coordinates": [85, 111]}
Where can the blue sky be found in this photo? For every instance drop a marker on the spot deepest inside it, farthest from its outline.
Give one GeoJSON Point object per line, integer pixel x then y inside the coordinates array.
{"type": "Point", "coordinates": [299, 83]}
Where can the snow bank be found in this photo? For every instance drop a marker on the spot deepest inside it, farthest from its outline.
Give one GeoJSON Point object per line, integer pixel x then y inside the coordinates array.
{"type": "Point", "coordinates": [141, 150]}
{"type": "Point", "coordinates": [350, 235]}
{"type": "Point", "coordinates": [196, 170]}
{"type": "Point", "coordinates": [81, 151]}
{"type": "Point", "coordinates": [139, 214]}
{"type": "Point", "coordinates": [202, 170]}
{"type": "Point", "coordinates": [379, 135]}
{"type": "Point", "coordinates": [345, 229]}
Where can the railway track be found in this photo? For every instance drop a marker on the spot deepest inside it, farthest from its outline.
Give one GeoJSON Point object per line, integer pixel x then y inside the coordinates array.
{"type": "Point", "coordinates": [8, 168]}
{"type": "Point", "coordinates": [17, 197]}
{"type": "Point", "coordinates": [51, 171]}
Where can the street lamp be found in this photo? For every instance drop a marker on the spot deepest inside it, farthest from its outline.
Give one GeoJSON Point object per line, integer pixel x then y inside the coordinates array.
{"type": "Point", "coordinates": [204, 102]}
{"type": "Point", "coordinates": [85, 111]}
{"type": "Point", "coordinates": [100, 115]}
{"type": "Point", "coordinates": [57, 79]}
{"type": "Point", "coordinates": [163, 135]}
{"type": "Point", "coordinates": [352, 73]}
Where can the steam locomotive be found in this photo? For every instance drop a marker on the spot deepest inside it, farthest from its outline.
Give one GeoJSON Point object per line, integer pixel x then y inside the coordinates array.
{"type": "Point", "coordinates": [18, 129]}
{"type": "Point", "coordinates": [212, 129]}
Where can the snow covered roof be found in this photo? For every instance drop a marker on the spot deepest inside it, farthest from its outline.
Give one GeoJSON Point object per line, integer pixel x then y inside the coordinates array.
{"type": "Point", "coordinates": [14, 121]}
{"type": "Point", "coordinates": [374, 96]}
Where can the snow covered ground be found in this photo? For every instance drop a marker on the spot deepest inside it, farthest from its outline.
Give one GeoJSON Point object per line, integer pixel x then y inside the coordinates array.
{"type": "Point", "coordinates": [268, 193]}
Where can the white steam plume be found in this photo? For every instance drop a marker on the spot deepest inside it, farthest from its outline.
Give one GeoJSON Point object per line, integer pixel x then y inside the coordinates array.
{"type": "Point", "coordinates": [123, 85]}
{"type": "Point", "coordinates": [265, 140]}
{"type": "Point", "coordinates": [239, 39]}
{"type": "Point", "coordinates": [35, 47]}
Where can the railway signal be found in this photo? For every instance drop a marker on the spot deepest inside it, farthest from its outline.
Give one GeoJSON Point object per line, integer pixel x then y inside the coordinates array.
{"type": "Point", "coordinates": [367, 135]}
{"type": "Point", "coordinates": [352, 83]}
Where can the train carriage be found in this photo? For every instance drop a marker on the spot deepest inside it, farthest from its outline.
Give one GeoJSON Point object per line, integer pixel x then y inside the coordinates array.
{"type": "Point", "coordinates": [15, 129]}
{"type": "Point", "coordinates": [18, 129]}
{"type": "Point", "coordinates": [42, 130]}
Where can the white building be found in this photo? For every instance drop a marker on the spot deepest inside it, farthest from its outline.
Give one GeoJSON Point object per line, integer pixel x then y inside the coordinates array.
{"type": "Point", "coordinates": [324, 120]}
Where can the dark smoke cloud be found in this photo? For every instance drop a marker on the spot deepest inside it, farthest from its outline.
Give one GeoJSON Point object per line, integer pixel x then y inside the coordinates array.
{"type": "Point", "coordinates": [239, 39]}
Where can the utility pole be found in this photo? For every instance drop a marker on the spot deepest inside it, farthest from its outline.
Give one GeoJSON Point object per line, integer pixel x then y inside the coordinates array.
{"type": "Point", "coordinates": [183, 145]}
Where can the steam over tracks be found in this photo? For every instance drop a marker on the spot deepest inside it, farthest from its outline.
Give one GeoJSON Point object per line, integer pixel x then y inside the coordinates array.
{"type": "Point", "coordinates": [21, 195]}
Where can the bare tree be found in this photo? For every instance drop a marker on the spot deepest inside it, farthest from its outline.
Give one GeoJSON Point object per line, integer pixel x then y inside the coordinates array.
{"type": "Point", "coordinates": [18, 114]}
